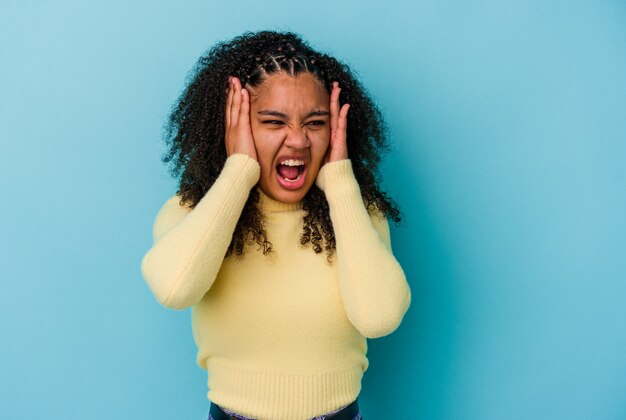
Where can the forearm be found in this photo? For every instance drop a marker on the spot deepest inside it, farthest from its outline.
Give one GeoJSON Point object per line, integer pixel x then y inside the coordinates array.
{"type": "Point", "coordinates": [372, 283]}
{"type": "Point", "coordinates": [182, 264]}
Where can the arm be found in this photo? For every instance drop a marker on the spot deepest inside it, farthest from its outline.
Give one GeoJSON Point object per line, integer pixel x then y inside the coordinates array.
{"type": "Point", "coordinates": [189, 245]}
{"type": "Point", "coordinates": [372, 284]}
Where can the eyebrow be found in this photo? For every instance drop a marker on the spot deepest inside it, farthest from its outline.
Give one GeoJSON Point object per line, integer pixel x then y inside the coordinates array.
{"type": "Point", "coordinates": [319, 113]}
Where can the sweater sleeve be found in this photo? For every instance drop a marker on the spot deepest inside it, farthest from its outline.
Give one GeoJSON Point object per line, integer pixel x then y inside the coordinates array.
{"type": "Point", "coordinates": [190, 244]}
{"type": "Point", "coordinates": [372, 284]}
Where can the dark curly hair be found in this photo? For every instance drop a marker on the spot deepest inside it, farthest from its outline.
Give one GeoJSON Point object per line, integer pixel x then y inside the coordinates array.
{"type": "Point", "coordinates": [194, 131]}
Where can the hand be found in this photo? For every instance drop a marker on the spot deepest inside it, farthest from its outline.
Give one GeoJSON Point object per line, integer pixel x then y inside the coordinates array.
{"type": "Point", "coordinates": [338, 149]}
{"type": "Point", "coordinates": [238, 133]}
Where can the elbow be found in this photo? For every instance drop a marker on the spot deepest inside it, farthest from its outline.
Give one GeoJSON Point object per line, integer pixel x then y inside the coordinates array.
{"type": "Point", "coordinates": [161, 289]}
{"type": "Point", "coordinates": [176, 302]}
{"type": "Point", "coordinates": [172, 301]}
{"type": "Point", "coordinates": [385, 322]}
{"type": "Point", "coordinates": [382, 327]}
{"type": "Point", "coordinates": [150, 276]}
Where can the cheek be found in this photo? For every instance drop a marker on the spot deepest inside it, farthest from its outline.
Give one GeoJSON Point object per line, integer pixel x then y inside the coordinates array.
{"type": "Point", "coordinates": [256, 134]}
{"type": "Point", "coordinates": [266, 144]}
{"type": "Point", "coordinates": [320, 140]}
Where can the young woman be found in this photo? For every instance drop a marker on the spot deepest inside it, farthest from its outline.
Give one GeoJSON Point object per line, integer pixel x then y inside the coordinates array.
{"type": "Point", "coordinates": [277, 237]}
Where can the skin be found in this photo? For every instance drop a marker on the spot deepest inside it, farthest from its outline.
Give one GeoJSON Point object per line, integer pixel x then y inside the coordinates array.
{"type": "Point", "coordinates": [286, 115]}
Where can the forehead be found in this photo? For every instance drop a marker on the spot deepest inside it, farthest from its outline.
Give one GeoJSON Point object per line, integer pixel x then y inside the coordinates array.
{"type": "Point", "coordinates": [283, 92]}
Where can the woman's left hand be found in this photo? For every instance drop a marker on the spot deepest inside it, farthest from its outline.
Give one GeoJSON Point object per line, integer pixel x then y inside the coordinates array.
{"type": "Point", "coordinates": [337, 149]}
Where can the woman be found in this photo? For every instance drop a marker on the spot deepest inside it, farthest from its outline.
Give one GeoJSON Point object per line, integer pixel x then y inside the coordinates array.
{"type": "Point", "coordinates": [278, 236]}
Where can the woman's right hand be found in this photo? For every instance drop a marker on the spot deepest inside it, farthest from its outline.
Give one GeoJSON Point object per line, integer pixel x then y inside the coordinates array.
{"type": "Point", "coordinates": [238, 132]}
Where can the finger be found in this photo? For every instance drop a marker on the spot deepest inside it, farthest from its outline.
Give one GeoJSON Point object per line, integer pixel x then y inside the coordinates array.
{"type": "Point", "coordinates": [234, 109]}
{"type": "Point", "coordinates": [342, 122]}
{"type": "Point", "coordinates": [340, 137]}
{"type": "Point", "coordinates": [229, 101]}
{"type": "Point", "coordinates": [244, 112]}
{"type": "Point", "coordinates": [334, 105]}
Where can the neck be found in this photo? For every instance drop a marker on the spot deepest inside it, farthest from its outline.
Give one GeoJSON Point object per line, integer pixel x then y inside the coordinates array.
{"type": "Point", "coordinates": [267, 203]}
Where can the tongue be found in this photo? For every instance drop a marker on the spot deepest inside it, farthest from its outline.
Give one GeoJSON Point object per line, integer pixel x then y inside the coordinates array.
{"type": "Point", "coordinates": [290, 172]}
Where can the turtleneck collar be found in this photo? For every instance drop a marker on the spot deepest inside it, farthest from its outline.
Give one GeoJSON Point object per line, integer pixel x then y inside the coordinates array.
{"type": "Point", "coordinates": [267, 203]}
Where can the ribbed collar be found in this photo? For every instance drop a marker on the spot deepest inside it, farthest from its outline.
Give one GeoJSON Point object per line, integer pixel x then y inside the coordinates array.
{"type": "Point", "coordinates": [270, 204]}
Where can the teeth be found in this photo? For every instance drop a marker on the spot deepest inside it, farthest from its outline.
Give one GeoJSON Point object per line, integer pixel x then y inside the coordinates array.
{"type": "Point", "coordinates": [292, 162]}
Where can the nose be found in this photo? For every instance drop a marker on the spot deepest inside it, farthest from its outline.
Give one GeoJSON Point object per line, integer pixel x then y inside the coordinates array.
{"type": "Point", "coordinates": [297, 138]}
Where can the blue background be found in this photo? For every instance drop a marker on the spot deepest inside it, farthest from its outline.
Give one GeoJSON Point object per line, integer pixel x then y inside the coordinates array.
{"type": "Point", "coordinates": [509, 129]}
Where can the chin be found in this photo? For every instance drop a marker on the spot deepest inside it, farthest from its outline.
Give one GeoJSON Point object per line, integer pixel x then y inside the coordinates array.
{"type": "Point", "coordinates": [290, 197]}
{"type": "Point", "coordinates": [284, 195]}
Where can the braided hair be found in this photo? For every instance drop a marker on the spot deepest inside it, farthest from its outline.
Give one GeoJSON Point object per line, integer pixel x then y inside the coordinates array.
{"type": "Point", "coordinates": [194, 131]}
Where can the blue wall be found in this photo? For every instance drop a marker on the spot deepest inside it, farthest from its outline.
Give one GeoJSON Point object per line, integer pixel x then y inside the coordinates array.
{"type": "Point", "coordinates": [509, 129]}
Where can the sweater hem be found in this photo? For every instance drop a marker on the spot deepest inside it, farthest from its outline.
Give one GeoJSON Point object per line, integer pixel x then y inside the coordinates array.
{"type": "Point", "coordinates": [272, 395]}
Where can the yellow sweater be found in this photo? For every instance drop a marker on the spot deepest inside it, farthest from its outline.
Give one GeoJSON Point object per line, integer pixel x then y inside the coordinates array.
{"type": "Point", "coordinates": [281, 336]}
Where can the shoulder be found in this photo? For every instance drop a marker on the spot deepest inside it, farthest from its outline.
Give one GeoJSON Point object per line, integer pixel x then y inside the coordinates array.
{"type": "Point", "coordinates": [169, 215]}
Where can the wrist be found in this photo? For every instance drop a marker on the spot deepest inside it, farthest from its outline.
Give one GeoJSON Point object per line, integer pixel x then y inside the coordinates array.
{"type": "Point", "coordinates": [244, 168]}
{"type": "Point", "coordinates": [337, 175]}
{"type": "Point", "coordinates": [339, 155]}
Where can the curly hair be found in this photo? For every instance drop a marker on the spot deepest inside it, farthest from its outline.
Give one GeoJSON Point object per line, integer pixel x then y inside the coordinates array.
{"type": "Point", "coordinates": [194, 131]}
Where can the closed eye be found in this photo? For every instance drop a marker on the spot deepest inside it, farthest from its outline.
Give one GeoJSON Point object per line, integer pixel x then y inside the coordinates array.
{"type": "Point", "coordinates": [316, 122]}
{"type": "Point", "coordinates": [272, 122]}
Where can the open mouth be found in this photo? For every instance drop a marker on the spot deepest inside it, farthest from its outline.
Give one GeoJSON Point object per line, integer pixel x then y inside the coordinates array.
{"type": "Point", "coordinates": [290, 173]}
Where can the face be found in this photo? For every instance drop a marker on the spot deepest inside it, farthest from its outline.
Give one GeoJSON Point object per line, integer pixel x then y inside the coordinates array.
{"type": "Point", "coordinates": [291, 129]}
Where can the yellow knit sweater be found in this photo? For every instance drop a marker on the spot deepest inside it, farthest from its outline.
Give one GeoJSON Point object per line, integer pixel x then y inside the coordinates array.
{"type": "Point", "coordinates": [281, 336]}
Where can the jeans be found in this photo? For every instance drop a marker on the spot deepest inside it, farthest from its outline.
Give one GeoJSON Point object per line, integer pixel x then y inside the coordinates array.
{"type": "Point", "coordinates": [322, 417]}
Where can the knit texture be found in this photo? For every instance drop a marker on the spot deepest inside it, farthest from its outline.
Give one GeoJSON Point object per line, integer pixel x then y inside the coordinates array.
{"type": "Point", "coordinates": [281, 336]}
